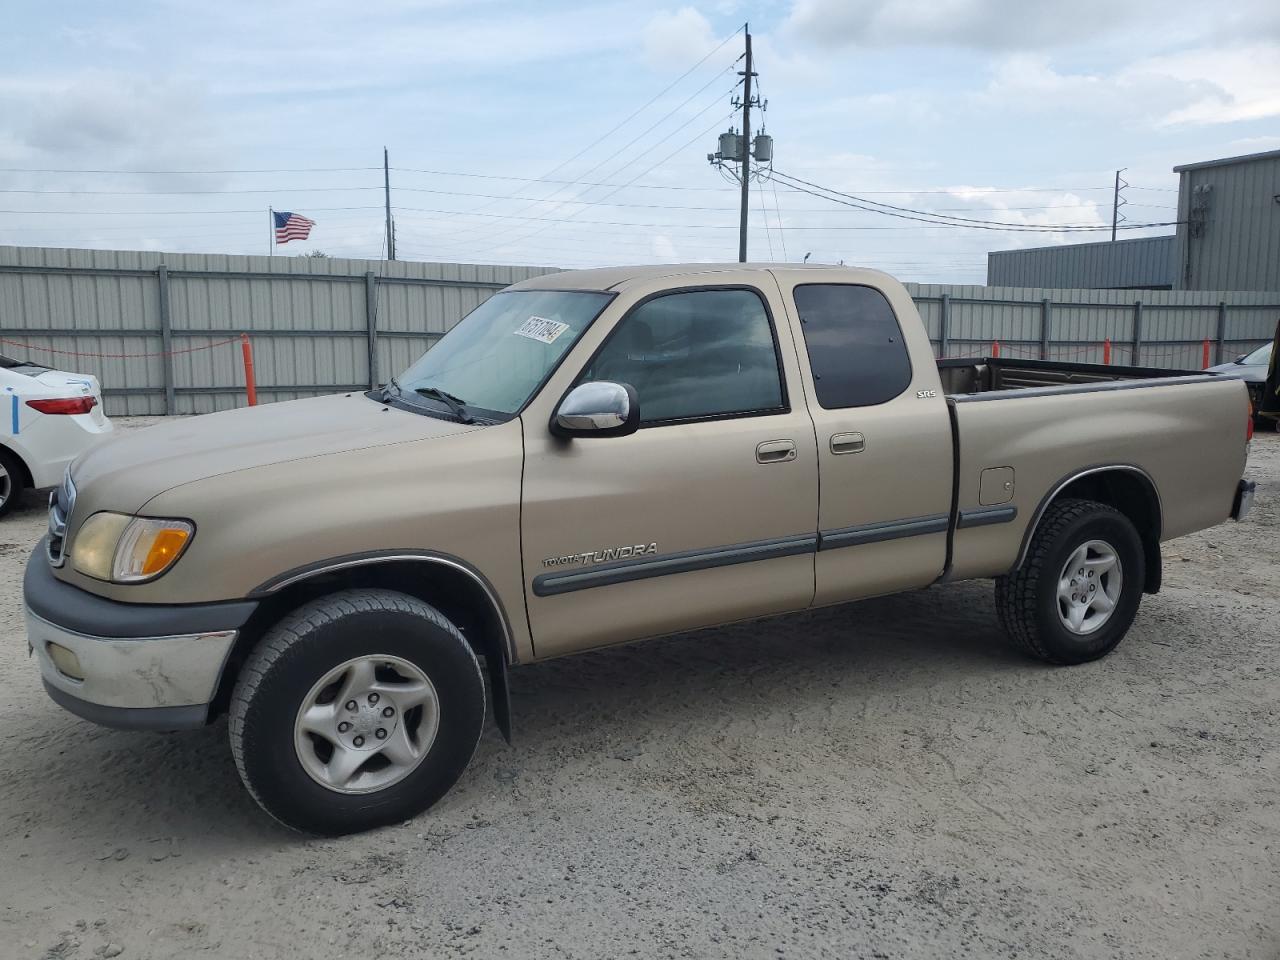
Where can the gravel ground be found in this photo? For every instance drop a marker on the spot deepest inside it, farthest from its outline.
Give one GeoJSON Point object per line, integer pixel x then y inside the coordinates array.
{"type": "Point", "coordinates": [885, 779]}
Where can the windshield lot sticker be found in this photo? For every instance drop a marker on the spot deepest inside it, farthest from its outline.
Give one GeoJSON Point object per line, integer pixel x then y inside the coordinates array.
{"type": "Point", "coordinates": [541, 329]}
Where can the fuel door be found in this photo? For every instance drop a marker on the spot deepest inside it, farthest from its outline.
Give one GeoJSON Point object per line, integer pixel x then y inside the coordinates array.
{"type": "Point", "coordinates": [995, 486]}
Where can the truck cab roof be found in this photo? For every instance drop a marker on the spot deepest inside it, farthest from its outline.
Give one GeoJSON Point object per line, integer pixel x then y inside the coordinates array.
{"type": "Point", "coordinates": [617, 279]}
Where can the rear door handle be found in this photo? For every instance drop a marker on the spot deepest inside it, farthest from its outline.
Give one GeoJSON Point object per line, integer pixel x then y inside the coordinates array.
{"type": "Point", "coordinates": [776, 451]}
{"type": "Point", "coordinates": [848, 443]}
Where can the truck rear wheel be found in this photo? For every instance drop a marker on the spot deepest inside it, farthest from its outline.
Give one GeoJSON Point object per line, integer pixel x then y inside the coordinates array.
{"type": "Point", "coordinates": [357, 710]}
{"type": "Point", "coordinates": [1074, 597]}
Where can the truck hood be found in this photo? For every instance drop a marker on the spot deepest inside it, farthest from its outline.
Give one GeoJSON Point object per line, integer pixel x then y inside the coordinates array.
{"type": "Point", "coordinates": [126, 472]}
{"type": "Point", "coordinates": [1252, 372]}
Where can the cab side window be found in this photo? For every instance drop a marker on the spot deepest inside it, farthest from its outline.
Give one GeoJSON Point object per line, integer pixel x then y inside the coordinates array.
{"type": "Point", "coordinates": [855, 346]}
{"type": "Point", "coordinates": [695, 355]}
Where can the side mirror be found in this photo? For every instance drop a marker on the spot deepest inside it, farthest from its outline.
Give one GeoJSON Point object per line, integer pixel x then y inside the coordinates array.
{"type": "Point", "coordinates": [598, 409]}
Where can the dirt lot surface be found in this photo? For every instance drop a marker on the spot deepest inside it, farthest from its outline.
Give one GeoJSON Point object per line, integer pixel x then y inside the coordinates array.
{"type": "Point", "coordinates": [885, 779]}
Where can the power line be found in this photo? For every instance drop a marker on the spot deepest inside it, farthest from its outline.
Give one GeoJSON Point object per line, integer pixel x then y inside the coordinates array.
{"type": "Point", "coordinates": [778, 212]}
{"type": "Point", "coordinates": [649, 169]}
{"type": "Point", "coordinates": [764, 218]}
{"type": "Point", "coordinates": [663, 119]}
{"type": "Point", "coordinates": [635, 113]}
{"type": "Point", "coordinates": [908, 213]}
{"type": "Point", "coordinates": [487, 196]}
{"type": "Point", "coordinates": [187, 172]}
{"type": "Point", "coordinates": [661, 93]}
{"type": "Point", "coordinates": [160, 213]}
{"type": "Point", "coordinates": [180, 193]}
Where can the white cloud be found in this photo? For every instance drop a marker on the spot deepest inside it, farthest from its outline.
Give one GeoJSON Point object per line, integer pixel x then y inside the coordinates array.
{"type": "Point", "coordinates": [1197, 87]}
{"type": "Point", "coordinates": [677, 38]}
{"type": "Point", "coordinates": [1023, 24]}
{"type": "Point", "coordinates": [1236, 84]}
{"type": "Point", "coordinates": [994, 24]}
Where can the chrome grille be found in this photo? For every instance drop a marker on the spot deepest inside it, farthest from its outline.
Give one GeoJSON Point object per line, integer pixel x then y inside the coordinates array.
{"type": "Point", "coordinates": [61, 502]}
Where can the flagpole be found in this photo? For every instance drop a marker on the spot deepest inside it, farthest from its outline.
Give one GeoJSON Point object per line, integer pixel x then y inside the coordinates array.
{"type": "Point", "coordinates": [271, 231]}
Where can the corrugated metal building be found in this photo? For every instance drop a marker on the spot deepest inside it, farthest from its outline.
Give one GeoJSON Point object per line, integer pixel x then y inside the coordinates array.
{"type": "Point", "coordinates": [1144, 263]}
{"type": "Point", "coordinates": [1228, 238]}
{"type": "Point", "coordinates": [1229, 224]}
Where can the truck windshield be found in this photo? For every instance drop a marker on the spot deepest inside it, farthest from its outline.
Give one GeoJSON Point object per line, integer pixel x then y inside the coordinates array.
{"type": "Point", "coordinates": [498, 355]}
{"type": "Point", "coordinates": [1261, 355]}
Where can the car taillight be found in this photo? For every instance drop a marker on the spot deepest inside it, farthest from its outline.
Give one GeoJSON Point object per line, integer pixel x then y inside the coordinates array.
{"type": "Point", "coordinates": [1248, 431]}
{"type": "Point", "coordinates": [68, 406]}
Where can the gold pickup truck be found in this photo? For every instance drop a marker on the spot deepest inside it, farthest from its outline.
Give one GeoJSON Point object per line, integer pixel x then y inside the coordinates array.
{"type": "Point", "coordinates": [591, 458]}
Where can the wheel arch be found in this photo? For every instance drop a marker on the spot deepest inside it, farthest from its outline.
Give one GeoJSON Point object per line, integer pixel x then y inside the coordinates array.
{"type": "Point", "coordinates": [1124, 486]}
{"type": "Point", "coordinates": [451, 585]}
{"type": "Point", "coordinates": [27, 477]}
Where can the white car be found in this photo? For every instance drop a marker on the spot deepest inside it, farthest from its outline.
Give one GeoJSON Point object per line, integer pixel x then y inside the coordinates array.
{"type": "Point", "coordinates": [47, 419]}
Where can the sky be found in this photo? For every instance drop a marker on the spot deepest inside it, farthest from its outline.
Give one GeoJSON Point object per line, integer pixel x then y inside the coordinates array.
{"type": "Point", "coordinates": [576, 134]}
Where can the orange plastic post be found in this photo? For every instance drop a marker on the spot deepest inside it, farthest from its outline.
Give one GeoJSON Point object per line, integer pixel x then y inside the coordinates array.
{"type": "Point", "coordinates": [995, 348]}
{"type": "Point", "coordinates": [1206, 355]}
{"type": "Point", "coordinates": [250, 388]}
{"type": "Point", "coordinates": [1106, 350]}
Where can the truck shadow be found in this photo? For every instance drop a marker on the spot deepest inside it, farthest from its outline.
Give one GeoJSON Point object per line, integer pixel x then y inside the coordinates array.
{"type": "Point", "coordinates": [868, 646]}
{"type": "Point", "coordinates": [117, 785]}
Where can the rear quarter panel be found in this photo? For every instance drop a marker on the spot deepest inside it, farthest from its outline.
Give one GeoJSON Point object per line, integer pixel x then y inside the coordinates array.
{"type": "Point", "coordinates": [1188, 437]}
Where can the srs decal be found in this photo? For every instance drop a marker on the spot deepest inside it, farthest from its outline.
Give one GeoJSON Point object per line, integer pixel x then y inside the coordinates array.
{"type": "Point", "coordinates": [603, 556]}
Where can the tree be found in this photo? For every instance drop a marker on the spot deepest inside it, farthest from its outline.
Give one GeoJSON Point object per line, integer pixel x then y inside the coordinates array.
{"type": "Point", "coordinates": [316, 254]}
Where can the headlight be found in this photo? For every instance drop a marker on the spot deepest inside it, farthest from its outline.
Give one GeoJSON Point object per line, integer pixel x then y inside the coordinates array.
{"type": "Point", "coordinates": [123, 549]}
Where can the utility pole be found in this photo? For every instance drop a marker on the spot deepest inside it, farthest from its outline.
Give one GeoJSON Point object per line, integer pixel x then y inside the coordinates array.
{"type": "Point", "coordinates": [386, 190]}
{"type": "Point", "coordinates": [739, 148]}
{"type": "Point", "coordinates": [746, 150]}
{"type": "Point", "coordinates": [1115, 204]}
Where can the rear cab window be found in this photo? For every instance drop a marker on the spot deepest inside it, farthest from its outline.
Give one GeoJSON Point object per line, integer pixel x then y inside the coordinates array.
{"type": "Point", "coordinates": [856, 349]}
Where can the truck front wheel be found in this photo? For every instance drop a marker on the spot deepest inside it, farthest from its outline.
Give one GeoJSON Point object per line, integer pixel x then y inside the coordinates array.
{"type": "Point", "coordinates": [356, 710]}
{"type": "Point", "coordinates": [1074, 597]}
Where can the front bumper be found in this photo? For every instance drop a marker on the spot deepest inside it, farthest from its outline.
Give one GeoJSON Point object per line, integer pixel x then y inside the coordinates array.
{"type": "Point", "coordinates": [136, 666]}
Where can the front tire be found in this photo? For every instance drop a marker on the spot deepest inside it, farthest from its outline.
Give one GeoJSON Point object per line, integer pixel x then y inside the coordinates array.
{"type": "Point", "coordinates": [1075, 596]}
{"type": "Point", "coordinates": [356, 710]}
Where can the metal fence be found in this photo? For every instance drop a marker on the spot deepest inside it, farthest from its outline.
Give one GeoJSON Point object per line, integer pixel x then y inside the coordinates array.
{"type": "Point", "coordinates": [1156, 328]}
{"type": "Point", "coordinates": [160, 330]}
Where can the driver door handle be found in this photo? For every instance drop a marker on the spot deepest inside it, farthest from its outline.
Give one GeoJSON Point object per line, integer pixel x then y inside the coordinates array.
{"type": "Point", "coordinates": [776, 451]}
{"type": "Point", "coordinates": [848, 443]}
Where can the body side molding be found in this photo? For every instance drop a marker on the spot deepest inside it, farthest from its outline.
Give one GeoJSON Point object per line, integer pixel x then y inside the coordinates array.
{"type": "Point", "coordinates": [984, 516]}
{"type": "Point", "coordinates": [687, 561]}
{"type": "Point", "coordinates": [885, 530]}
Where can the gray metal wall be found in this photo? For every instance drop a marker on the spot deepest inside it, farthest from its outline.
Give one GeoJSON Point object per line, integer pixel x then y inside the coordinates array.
{"type": "Point", "coordinates": [1146, 262]}
{"type": "Point", "coordinates": [143, 323]}
{"type": "Point", "coordinates": [1158, 328]}
{"type": "Point", "coordinates": [1229, 236]}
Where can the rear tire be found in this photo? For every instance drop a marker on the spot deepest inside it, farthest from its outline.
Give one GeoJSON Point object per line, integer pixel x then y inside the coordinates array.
{"type": "Point", "coordinates": [1076, 594]}
{"type": "Point", "coordinates": [13, 481]}
{"type": "Point", "coordinates": [357, 710]}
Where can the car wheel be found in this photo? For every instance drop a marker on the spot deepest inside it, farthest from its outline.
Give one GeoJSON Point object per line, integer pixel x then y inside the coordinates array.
{"type": "Point", "coordinates": [12, 481]}
{"type": "Point", "coordinates": [357, 710]}
{"type": "Point", "coordinates": [1074, 597]}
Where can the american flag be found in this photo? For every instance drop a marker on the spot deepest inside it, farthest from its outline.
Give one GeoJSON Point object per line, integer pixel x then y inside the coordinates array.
{"type": "Point", "coordinates": [291, 226]}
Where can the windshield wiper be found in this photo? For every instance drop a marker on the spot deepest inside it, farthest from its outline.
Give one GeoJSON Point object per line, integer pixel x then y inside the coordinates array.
{"type": "Point", "coordinates": [390, 389]}
{"type": "Point", "coordinates": [456, 404]}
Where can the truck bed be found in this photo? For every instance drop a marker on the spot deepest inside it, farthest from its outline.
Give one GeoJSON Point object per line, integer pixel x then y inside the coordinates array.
{"type": "Point", "coordinates": [977, 375]}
